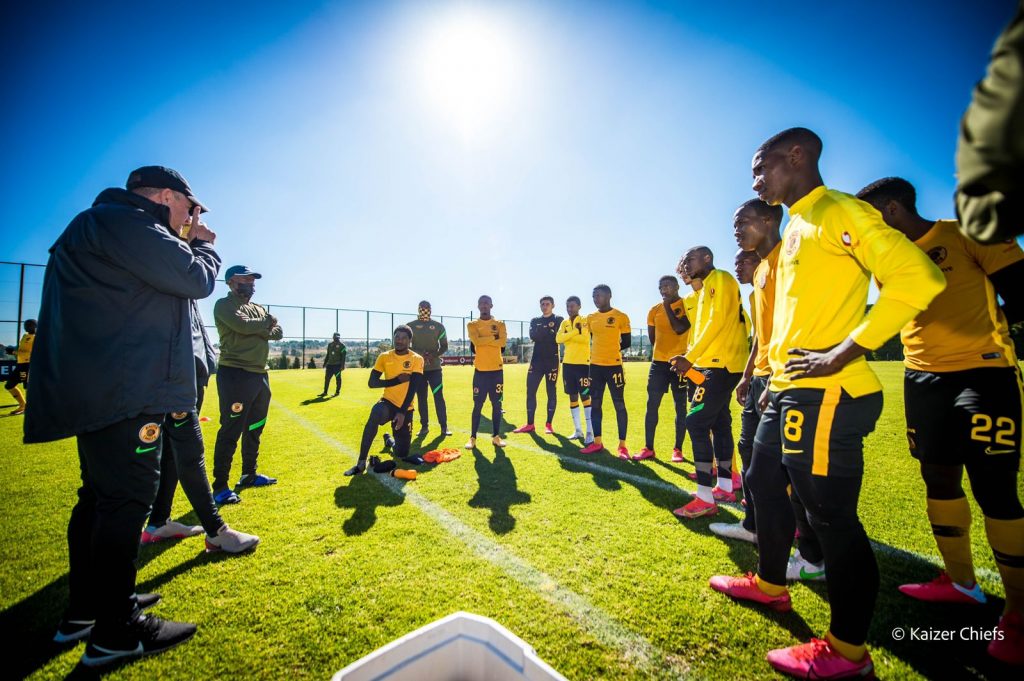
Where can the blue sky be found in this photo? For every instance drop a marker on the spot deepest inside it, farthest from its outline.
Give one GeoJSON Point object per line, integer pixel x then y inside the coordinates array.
{"type": "Point", "coordinates": [368, 155]}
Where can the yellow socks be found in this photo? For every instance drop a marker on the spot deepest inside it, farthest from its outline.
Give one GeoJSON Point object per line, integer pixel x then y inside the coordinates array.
{"type": "Point", "coordinates": [951, 525]}
{"type": "Point", "coordinates": [848, 650]}
{"type": "Point", "coordinates": [1006, 537]}
{"type": "Point", "coordinates": [769, 588]}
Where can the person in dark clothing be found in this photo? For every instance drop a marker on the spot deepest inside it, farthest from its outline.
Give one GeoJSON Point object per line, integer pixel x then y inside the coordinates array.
{"type": "Point", "coordinates": [243, 388]}
{"type": "Point", "coordinates": [184, 458]}
{"type": "Point", "coordinates": [117, 289]}
{"type": "Point", "coordinates": [334, 364]}
{"type": "Point", "coordinates": [430, 341]}
{"type": "Point", "coordinates": [543, 365]}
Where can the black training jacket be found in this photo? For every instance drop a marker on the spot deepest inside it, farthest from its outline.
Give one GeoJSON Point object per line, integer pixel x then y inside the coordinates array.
{"type": "Point", "coordinates": [115, 329]}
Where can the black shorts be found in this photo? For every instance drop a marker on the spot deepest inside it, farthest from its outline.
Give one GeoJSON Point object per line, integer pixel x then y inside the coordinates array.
{"type": "Point", "coordinates": [18, 375]}
{"type": "Point", "coordinates": [550, 373]}
{"type": "Point", "coordinates": [661, 377]}
{"type": "Point", "coordinates": [961, 416]}
{"type": "Point", "coordinates": [820, 431]}
{"type": "Point", "coordinates": [708, 399]}
{"type": "Point", "coordinates": [488, 384]}
{"type": "Point", "coordinates": [612, 376]}
{"type": "Point", "coordinates": [576, 379]}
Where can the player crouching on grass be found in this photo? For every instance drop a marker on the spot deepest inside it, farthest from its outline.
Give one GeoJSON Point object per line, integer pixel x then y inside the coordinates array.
{"type": "Point", "coordinates": [402, 372]}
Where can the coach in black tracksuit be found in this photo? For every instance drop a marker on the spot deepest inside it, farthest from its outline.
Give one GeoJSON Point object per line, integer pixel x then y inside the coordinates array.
{"type": "Point", "coordinates": [117, 290]}
{"type": "Point", "coordinates": [243, 388]}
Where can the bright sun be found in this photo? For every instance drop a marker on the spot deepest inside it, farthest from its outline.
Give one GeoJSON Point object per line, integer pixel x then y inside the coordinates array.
{"type": "Point", "coordinates": [470, 71]}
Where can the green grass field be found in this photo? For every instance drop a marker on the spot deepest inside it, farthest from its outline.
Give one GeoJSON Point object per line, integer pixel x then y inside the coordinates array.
{"type": "Point", "coordinates": [580, 556]}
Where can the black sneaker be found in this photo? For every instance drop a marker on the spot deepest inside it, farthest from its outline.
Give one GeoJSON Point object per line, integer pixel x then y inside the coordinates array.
{"type": "Point", "coordinates": [322, 395]}
{"type": "Point", "coordinates": [357, 469]}
{"type": "Point", "coordinates": [389, 441]}
{"type": "Point", "coordinates": [70, 630]}
{"type": "Point", "coordinates": [424, 429]}
{"type": "Point", "coordinates": [145, 635]}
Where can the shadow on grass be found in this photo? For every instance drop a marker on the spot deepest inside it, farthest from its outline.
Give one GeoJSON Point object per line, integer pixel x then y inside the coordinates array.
{"type": "Point", "coordinates": [956, 658]}
{"type": "Point", "coordinates": [314, 400]}
{"type": "Point", "coordinates": [364, 495]}
{"type": "Point", "coordinates": [571, 460]}
{"type": "Point", "coordinates": [498, 489]}
{"type": "Point", "coordinates": [28, 626]}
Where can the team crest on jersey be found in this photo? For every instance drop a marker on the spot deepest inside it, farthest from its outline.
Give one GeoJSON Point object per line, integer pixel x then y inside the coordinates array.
{"type": "Point", "coordinates": [431, 327]}
{"type": "Point", "coordinates": [938, 254]}
{"type": "Point", "coordinates": [793, 242]}
{"type": "Point", "coordinates": [494, 327]}
{"type": "Point", "coordinates": [236, 408]}
{"type": "Point", "coordinates": [179, 415]}
{"type": "Point", "coordinates": [149, 433]}
{"type": "Point", "coordinates": [611, 320]}
{"type": "Point", "coordinates": [406, 364]}
{"type": "Point", "coordinates": [847, 239]}
{"type": "Point", "coordinates": [551, 325]}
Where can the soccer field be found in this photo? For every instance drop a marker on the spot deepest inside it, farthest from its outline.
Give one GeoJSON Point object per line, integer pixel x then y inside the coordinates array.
{"type": "Point", "coordinates": [579, 556]}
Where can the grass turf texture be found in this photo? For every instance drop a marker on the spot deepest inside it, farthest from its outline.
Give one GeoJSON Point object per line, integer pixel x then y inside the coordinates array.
{"type": "Point", "coordinates": [580, 556]}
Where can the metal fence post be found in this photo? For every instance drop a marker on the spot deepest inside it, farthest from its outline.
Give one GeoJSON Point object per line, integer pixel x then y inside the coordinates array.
{"type": "Point", "coordinates": [367, 336]}
{"type": "Point", "coordinates": [303, 366]}
{"type": "Point", "coordinates": [21, 302]}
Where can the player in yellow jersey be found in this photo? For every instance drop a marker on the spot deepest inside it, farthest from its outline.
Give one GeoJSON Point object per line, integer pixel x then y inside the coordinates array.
{"type": "Point", "coordinates": [719, 352]}
{"type": "Point", "coordinates": [400, 373]}
{"type": "Point", "coordinates": [824, 399]}
{"type": "Point", "coordinates": [963, 405]}
{"type": "Point", "coordinates": [19, 375]}
{"type": "Point", "coordinates": [487, 337]}
{"type": "Point", "coordinates": [756, 228]}
{"type": "Point", "coordinates": [668, 330]}
{"type": "Point", "coordinates": [610, 334]}
{"type": "Point", "coordinates": [574, 335]}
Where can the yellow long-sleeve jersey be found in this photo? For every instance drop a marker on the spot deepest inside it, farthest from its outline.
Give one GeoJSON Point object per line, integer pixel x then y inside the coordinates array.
{"type": "Point", "coordinates": [720, 331]}
{"type": "Point", "coordinates": [762, 308]}
{"type": "Point", "coordinates": [832, 245]}
{"type": "Point", "coordinates": [963, 328]}
{"type": "Point", "coordinates": [488, 338]}
{"type": "Point", "coordinates": [574, 334]}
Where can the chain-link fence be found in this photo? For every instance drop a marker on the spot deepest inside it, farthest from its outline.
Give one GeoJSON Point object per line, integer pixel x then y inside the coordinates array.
{"type": "Point", "coordinates": [307, 329]}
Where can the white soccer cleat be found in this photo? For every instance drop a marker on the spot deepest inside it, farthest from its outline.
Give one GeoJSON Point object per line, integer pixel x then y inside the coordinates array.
{"type": "Point", "coordinates": [800, 569]}
{"type": "Point", "coordinates": [733, 531]}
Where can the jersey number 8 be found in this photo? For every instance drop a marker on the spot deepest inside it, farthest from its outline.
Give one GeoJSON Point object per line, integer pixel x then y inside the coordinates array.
{"type": "Point", "coordinates": [793, 429]}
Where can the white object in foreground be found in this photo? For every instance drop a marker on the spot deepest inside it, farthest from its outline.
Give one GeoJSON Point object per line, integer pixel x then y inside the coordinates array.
{"type": "Point", "coordinates": [460, 647]}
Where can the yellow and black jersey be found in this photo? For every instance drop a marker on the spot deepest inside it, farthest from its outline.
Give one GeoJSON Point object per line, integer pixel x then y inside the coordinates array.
{"type": "Point", "coordinates": [690, 305]}
{"type": "Point", "coordinates": [762, 307]}
{"type": "Point", "coordinates": [391, 365]}
{"type": "Point", "coordinates": [24, 353]}
{"type": "Point", "coordinates": [720, 332]}
{"type": "Point", "coordinates": [667, 343]}
{"type": "Point", "coordinates": [963, 328]}
{"type": "Point", "coordinates": [831, 246]}
{"type": "Point", "coordinates": [606, 329]}
{"type": "Point", "coordinates": [574, 334]}
{"type": "Point", "coordinates": [488, 337]}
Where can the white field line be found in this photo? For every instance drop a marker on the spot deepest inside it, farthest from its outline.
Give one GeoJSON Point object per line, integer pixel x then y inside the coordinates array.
{"type": "Point", "coordinates": [636, 650]}
{"type": "Point", "coordinates": [982, 572]}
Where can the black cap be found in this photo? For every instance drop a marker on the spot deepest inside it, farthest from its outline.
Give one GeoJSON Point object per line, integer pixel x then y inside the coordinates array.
{"type": "Point", "coordinates": [160, 177]}
{"type": "Point", "coordinates": [241, 271]}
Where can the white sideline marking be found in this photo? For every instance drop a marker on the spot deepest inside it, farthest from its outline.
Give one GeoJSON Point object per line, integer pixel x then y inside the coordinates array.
{"type": "Point", "coordinates": [636, 650]}
{"type": "Point", "coordinates": [982, 572]}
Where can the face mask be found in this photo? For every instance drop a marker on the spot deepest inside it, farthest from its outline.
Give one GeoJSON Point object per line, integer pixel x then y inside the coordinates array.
{"type": "Point", "coordinates": [245, 290]}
